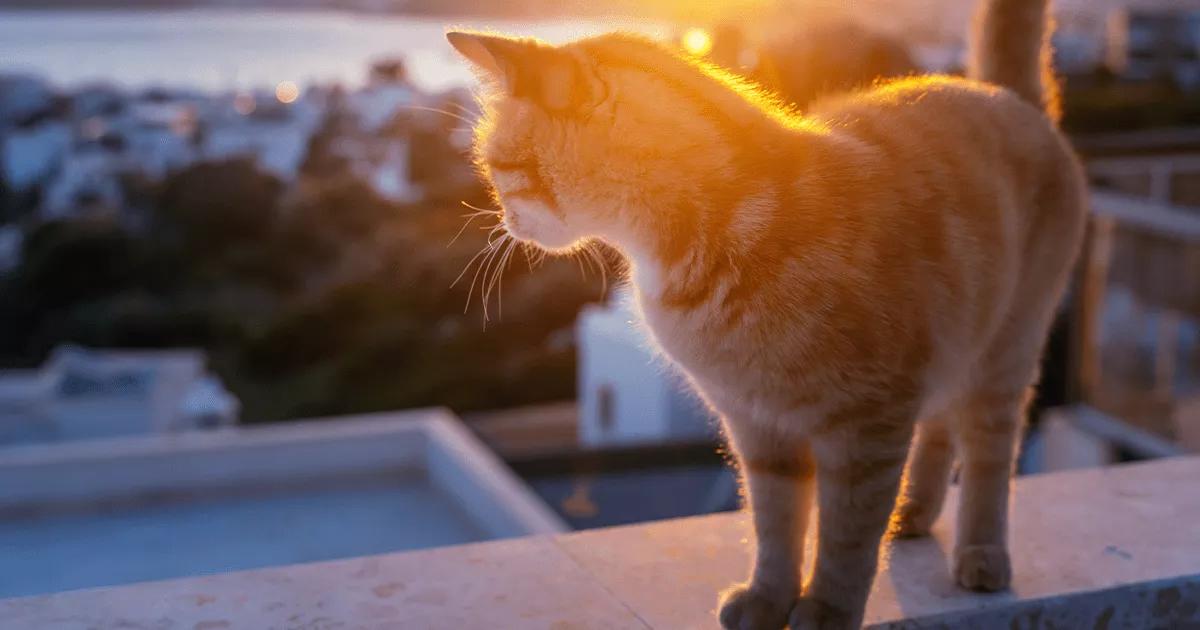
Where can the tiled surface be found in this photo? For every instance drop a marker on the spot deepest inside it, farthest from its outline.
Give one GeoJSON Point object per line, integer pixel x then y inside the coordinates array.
{"type": "Point", "coordinates": [1071, 532]}
{"type": "Point", "coordinates": [671, 571]}
{"type": "Point", "coordinates": [1127, 535]}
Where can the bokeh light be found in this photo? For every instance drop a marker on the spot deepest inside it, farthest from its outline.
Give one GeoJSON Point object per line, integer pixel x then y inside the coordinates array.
{"type": "Point", "coordinates": [287, 92]}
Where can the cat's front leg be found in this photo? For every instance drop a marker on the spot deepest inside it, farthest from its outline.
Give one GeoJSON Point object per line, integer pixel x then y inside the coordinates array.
{"type": "Point", "coordinates": [859, 465]}
{"type": "Point", "coordinates": [778, 475]}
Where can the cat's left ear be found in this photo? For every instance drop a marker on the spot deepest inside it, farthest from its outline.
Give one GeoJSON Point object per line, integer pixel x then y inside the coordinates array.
{"type": "Point", "coordinates": [526, 68]}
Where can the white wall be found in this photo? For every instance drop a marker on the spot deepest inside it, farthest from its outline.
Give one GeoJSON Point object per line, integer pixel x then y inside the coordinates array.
{"type": "Point", "coordinates": [649, 400]}
{"type": "Point", "coordinates": [615, 356]}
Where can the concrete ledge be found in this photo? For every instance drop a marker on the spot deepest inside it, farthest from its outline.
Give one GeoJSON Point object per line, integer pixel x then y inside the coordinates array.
{"type": "Point", "coordinates": [1106, 548]}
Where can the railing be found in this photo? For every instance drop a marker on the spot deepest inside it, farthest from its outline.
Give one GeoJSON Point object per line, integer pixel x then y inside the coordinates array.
{"type": "Point", "coordinates": [1150, 253]}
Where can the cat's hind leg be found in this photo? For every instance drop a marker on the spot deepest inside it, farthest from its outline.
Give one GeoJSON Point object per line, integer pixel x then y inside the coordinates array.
{"type": "Point", "coordinates": [989, 426]}
{"type": "Point", "coordinates": [988, 433]}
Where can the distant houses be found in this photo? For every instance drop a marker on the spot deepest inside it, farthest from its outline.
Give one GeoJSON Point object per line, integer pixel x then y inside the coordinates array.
{"type": "Point", "coordinates": [1150, 45]}
{"type": "Point", "coordinates": [81, 394]}
{"type": "Point", "coordinates": [62, 154]}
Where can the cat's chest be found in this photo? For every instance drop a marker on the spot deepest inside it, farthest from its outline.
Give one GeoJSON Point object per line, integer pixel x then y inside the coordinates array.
{"type": "Point", "coordinates": [739, 376]}
{"type": "Point", "coordinates": [697, 340]}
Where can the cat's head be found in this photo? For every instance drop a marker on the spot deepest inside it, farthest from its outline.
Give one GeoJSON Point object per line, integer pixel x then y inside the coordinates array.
{"type": "Point", "coordinates": [604, 137]}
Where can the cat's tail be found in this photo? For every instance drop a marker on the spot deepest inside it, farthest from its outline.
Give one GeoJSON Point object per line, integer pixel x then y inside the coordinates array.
{"type": "Point", "coordinates": [1011, 47]}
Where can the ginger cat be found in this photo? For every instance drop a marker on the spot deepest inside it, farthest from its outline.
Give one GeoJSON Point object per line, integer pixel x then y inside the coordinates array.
{"type": "Point", "coordinates": [885, 265]}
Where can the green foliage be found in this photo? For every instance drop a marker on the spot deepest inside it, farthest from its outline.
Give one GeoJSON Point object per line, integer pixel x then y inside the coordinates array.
{"type": "Point", "coordinates": [217, 207]}
{"type": "Point", "coordinates": [324, 299]}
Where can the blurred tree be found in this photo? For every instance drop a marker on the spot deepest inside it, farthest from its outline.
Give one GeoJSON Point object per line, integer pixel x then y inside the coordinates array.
{"type": "Point", "coordinates": [343, 208]}
{"type": "Point", "coordinates": [76, 260]}
{"type": "Point", "coordinates": [829, 58]}
{"type": "Point", "coordinates": [214, 207]}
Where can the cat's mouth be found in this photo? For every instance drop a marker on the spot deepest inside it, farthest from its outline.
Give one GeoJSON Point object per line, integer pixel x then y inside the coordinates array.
{"type": "Point", "coordinates": [531, 212]}
{"type": "Point", "coordinates": [531, 221]}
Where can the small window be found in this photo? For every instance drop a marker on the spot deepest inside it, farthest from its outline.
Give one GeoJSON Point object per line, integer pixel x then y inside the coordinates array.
{"type": "Point", "coordinates": [605, 402]}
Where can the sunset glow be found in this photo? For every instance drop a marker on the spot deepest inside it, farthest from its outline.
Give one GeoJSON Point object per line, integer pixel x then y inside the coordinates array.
{"type": "Point", "coordinates": [697, 41]}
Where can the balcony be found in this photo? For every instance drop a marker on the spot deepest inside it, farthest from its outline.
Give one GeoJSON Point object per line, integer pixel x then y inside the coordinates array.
{"type": "Point", "coordinates": [1112, 547]}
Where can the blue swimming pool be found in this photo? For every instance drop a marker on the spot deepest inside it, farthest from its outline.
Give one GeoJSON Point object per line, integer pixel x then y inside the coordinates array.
{"type": "Point", "coordinates": [195, 535]}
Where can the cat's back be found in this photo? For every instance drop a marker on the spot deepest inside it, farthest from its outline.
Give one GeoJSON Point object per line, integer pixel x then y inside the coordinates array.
{"type": "Point", "coordinates": [941, 116]}
{"type": "Point", "coordinates": [940, 146]}
{"type": "Point", "coordinates": [959, 173]}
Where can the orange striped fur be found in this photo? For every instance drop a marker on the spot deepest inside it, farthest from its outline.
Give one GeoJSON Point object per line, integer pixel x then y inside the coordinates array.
{"type": "Point", "coordinates": [829, 281]}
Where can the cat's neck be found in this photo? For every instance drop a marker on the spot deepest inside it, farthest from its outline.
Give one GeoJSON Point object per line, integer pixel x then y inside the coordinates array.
{"type": "Point", "coordinates": [703, 244]}
{"type": "Point", "coordinates": [680, 261]}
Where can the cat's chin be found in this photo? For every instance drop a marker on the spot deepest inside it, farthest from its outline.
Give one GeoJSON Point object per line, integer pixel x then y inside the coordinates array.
{"type": "Point", "coordinates": [551, 248]}
{"type": "Point", "coordinates": [553, 239]}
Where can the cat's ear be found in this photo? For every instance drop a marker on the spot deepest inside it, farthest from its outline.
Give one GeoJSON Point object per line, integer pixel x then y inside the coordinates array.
{"type": "Point", "coordinates": [526, 68]}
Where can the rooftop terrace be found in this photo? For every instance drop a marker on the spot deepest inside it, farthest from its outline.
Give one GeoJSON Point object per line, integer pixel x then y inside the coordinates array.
{"type": "Point", "coordinates": [107, 512]}
{"type": "Point", "coordinates": [1104, 548]}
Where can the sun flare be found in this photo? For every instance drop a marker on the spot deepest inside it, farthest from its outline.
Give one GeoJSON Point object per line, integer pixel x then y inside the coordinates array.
{"type": "Point", "coordinates": [697, 41]}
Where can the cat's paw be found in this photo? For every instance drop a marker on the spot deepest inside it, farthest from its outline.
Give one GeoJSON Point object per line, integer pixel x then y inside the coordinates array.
{"type": "Point", "coordinates": [743, 608]}
{"type": "Point", "coordinates": [982, 567]}
{"type": "Point", "coordinates": [913, 521]}
{"type": "Point", "coordinates": [812, 614]}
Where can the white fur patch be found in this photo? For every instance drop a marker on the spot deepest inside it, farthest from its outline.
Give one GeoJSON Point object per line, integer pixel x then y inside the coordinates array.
{"type": "Point", "coordinates": [509, 180]}
{"type": "Point", "coordinates": [647, 274]}
{"type": "Point", "coordinates": [531, 220]}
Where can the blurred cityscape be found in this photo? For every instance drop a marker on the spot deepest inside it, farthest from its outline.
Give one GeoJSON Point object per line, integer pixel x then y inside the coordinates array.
{"type": "Point", "coordinates": [180, 264]}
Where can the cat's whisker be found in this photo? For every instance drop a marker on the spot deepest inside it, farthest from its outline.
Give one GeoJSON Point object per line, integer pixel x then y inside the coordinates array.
{"type": "Point", "coordinates": [526, 248]}
{"type": "Point", "coordinates": [463, 108]}
{"type": "Point", "coordinates": [478, 209]}
{"type": "Point", "coordinates": [497, 277]}
{"type": "Point", "coordinates": [484, 250]}
{"type": "Point", "coordinates": [475, 277]}
{"type": "Point", "coordinates": [468, 266]}
{"type": "Point", "coordinates": [498, 274]}
{"type": "Point", "coordinates": [500, 287]}
{"type": "Point", "coordinates": [486, 269]}
{"type": "Point", "coordinates": [470, 218]}
{"type": "Point", "coordinates": [594, 254]}
{"type": "Point", "coordinates": [441, 111]}
{"type": "Point", "coordinates": [499, 228]}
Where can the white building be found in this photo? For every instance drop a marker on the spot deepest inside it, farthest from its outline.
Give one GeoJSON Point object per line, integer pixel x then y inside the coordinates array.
{"type": "Point", "coordinates": [1156, 44]}
{"type": "Point", "coordinates": [158, 137]}
{"type": "Point", "coordinates": [29, 156]}
{"type": "Point", "coordinates": [84, 166]}
{"type": "Point", "coordinates": [627, 394]}
{"type": "Point", "coordinates": [22, 97]}
{"type": "Point", "coordinates": [380, 152]}
{"type": "Point", "coordinates": [376, 105]}
{"type": "Point", "coordinates": [275, 135]}
{"type": "Point", "coordinates": [81, 394]}
{"type": "Point", "coordinates": [86, 178]}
